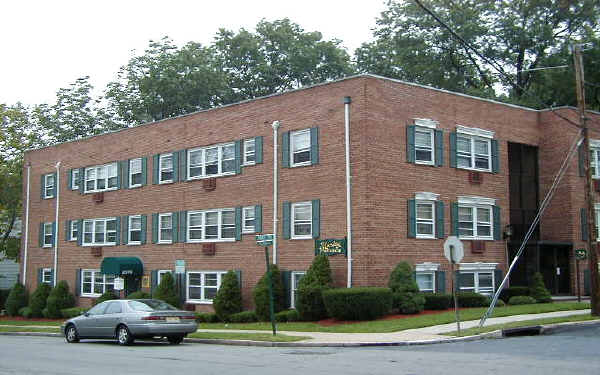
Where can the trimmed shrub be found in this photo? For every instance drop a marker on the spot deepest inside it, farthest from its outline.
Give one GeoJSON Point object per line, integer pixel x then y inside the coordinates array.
{"type": "Point", "coordinates": [309, 301]}
{"type": "Point", "coordinates": [287, 316]}
{"type": "Point", "coordinates": [207, 318]}
{"type": "Point", "coordinates": [38, 300]}
{"type": "Point", "coordinates": [438, 301]}
{"type": "Point", "coordinates": [243, 317]}
{"type": "Point", "coordinates": [167, 291]}
{"type": "Point", "coordinates": [59, 299]}
{"type": "Point", "coordinates": [138, 295]}
{"type": "Point", "coordinates": [521, 300]}
{"type": "Point", "coordinates": [3, 296]}
{"type": "Point", "coordinates": [358, 303]}
{"type": "Point", "coordinates": [471, 299]}
{"type": "Point", "coordinates": [538, 290]}
{"type": "Point", "coordinates": [499, 303]}
{"type": "Point", "coordinates": [17, 298]}
{"type": "Point", "coordinates": [106, 296]}
{"type": "Point", "coordinates": [405, 289]}
{"type": "Point", "coordinates": [408, 302]}
{"type": "Point", "coordinates": [229, 297]}
{"type": "Point", "coordinates": [261, 295]}
{"type": "Point", "coordinates": [512, 291]}
{"type": "Point", "coordinates": [25, 312]}
{"type": "Point", "coordinates": [72, 312]}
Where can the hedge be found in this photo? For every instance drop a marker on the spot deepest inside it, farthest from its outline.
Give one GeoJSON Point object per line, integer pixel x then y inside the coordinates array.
{"type": "Point", "coordinates": [207, 318]}
{"type": "Point", "coordinates": [25, 312]}
{"type": "Point", "coordinates": [3, 296]}
{"type": "Point", "coordinates": [438, 301]}
{"type": "Point", "coordinates": [512, 291]}
{"type": "Point", "coordinates": [139, 295]}
{"type": "Point", "coordinates": [72, 312]}
{"type": "Point", "coordinates": [521, 300]}
{"type": "Point", "coordinates": [366, 303]}
{"type": "Point", "coordinates": [287, 316]}
{"type": "Point", "coordinates": [106, 296]}
{"type": "Point", "coordinates": [59, 299]}
{"type": "Point", "coordinates": [471, 299]}
{"type": "Point", "coordinates": [17, 298]}
{"type": "Point", "coordinates": [243, 317]}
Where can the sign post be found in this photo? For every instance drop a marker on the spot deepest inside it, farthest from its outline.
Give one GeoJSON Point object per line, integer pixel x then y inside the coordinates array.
{"type": "Point", "coordinates": [266, 240]}
{"type": "Point", "coordinates": [454, 252]}
{"type": "Point", "coordinates": [580, 254]}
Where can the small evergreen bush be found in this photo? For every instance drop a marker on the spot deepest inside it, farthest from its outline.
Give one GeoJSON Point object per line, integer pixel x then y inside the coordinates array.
{"type": "Point", "coordinates": [407, 298]}
{"type": "Point", "coordinates": [229, 297]}
{"type": "Point", "coordinates": [59, 299]}
{"type": "Point", "coordinates": [499, 302]}
{"type": "Point", "coordinates": [261, 295]}
{"type": "Point", "coordinates": [287, 316]}
{"type": "Point", "coordinates": [25, 312]}
{"type": "Point", "coordinates": [106, 296]}
{"type": "Point", "coordinates": [3, 296]}
{"type": "Point", "coordinates": [309, 300]}
{"type": "Point", "coordinates": [438, 301]}
{"type": "Point", "coordinates": [167, 291]}
{"type": "Point", "coordinates": [243, 317]}
{"type": "Point", "coordinates": [358, 303]}
{"type": "Point", "coordinates": [471, 299]}
{"type": "Point", "coordinates": [206, 318]}
{"type": "Point", "coordinates": [138, 295]}
{"type": "Point", "coordinates": [521, 300]}
{"type": "Point", "coordinates": [17, 298]}
{"type": "Point", "coordinates": [538, 290]}
{"type": "Point", "coordinates": [512, 291]}
{"type": "Point", "coordinates": [72, 312]}
{"type": "Point", "coordinates": [38, 300]}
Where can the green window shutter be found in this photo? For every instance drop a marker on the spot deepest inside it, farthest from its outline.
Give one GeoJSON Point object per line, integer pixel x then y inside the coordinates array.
{"type": "Point", "coordinates": [175, 226]}
{"type": "Point", "coordinates": [584, 224]}
{"type": "Point", "coordinates": [119, 174]}
{"type": "Point", "coordinates": [258, 224]}
{"type": "Point", "coordinates": [153, 281]}
{"type": "Point", "coordinates": [70, 179]}
{"type": "Point", "coordinates": [495, 156]}
{"type": "Point", "coordinates": [180, 285]}
{"type": "Point", "coordinates": [118, 231]}
{"type": "Point", "coordinates": [316, 218]}
{"type": "Point", "coordinates": [238, 156]}
{"type": "Point", "coordinates": [238, 274]}
{"type": "Point", "coordinates": [498, 275]}
{"type": "Point", "coordinates": [155, 161]}
{"type": "Point", "coordinates": [439, 148]}
{"type": "Point", "coordinates": [182, 226]}
{"type": "Point", "coordinates": [77, 282]}
{"type": "Point", "coordinates": [183, 165]}
{"type": "Point", "coordinates": [40, 274]}
{"type": "Point", "coordinates": [410, 143]}
{"type": "Point", "coordinates": [144, 227]}
{"type": "Point", "coordinates": [144, 171]}
{"type": "Point", "coordinates": [258, 149]}
{"type": "Point", "coordinates": [154, 228]}
{"type": "Point", "coordinates": [586, 282]}
{"type": "Point", "coordinates": [285, 150]}
{"type": "Point", "coordinates": [412, 218]}
{"type": "Point", "coordinates": [286, 277]}
{"type": "Point", "coordinates": [314, 145]}
{"type": "Point", "coordinates": [42, 186]}
{"type": "Point", "coordinates": [497, 223]}
{"type": "Point", "coordinates": [238, 223]}
{"type": "Point", "coordinates": [453, 149]}
{"type": "Point", "coordinates": [580, 160]}
{"type": "Point", "coordinates": [41, 235]}
{"type": "Point", "coordinates": [67, 230]}
{"type": "Point", "coordinates": [53, 232]}
{"type": "Point", "coordinates": [440, 282]}
{"type": "Point", "coordinates": [125, 179]}
{"type": "Point", "coordinates": [175, 160]}
{"type": "Point", "coordinates": [80, 232]}
{"type": "Point", "coordinates": [454, 206]}
{"type": "Point", "coordinates": [287, 208]}
{"type": "Point", "coordinates": [81, 180]}
{"type": "Point", "coordinates": [439, 220]}
{"type": "Point", "coordinates": [55, 185]}
{"type": "Point", "coordinates": [125, 229]}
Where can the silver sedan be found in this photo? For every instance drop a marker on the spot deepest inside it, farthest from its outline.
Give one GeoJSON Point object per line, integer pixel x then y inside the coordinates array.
{"type": "Point", "coordinates": [126, 320]}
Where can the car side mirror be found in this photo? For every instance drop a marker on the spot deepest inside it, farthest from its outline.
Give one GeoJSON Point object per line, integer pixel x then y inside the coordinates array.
{"type": "Point", "coordinates": [86, 314]}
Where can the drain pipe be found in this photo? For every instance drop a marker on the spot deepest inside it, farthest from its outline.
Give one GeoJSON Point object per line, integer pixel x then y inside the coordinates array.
{"type": "Point", "coordinates": [26, 225]}
{"type": "Point", "coordinates": [347, 101]}
{"type": "Point", "coordinates": [275, 126]}
{"type": "Point", "coordinates": [56, 226]}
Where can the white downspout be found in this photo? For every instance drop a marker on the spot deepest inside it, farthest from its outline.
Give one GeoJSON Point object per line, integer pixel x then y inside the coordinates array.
{"type": "Point", "coordinates": [56, 226]}
{"type": "Point", "coordinates": [26, 225]}
{"type": "Point", "coordinates": [275, 191]}
{"type": "Point", "coordinates": [347, 101]}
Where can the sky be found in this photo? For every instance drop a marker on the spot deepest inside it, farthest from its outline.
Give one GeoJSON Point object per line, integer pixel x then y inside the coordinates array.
{"type": "Point", "coordinates": [46, 45]}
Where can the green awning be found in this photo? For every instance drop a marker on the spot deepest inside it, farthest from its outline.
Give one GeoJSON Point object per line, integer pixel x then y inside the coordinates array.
{"type": "Point", "coordinates": [122, 266]}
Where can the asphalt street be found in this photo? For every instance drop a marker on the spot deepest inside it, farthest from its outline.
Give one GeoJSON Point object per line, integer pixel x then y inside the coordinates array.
{"type": "Point", "coordinates": [574, 352]}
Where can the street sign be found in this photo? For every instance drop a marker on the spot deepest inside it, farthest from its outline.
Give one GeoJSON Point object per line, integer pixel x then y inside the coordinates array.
{"type": "Point", "coordinates": [180, 266]}
{"type": "Point", "coordinates": [264, 239]}
{"type": "Point", "coordinates": [458, 250]}
{"type": "Point", "coordinates": [580, 254]}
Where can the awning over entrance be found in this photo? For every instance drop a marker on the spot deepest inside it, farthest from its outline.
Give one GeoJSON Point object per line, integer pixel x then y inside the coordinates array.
{"type": "Point", "coordinates": [122, 266]}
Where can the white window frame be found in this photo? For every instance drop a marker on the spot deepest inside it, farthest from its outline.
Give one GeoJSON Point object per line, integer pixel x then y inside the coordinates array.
{"type": "Point", "coordinates": [431, 148]}
{"type": "Point", "coordinates": [130, 229]}
{"type": "Point", "coordinates": [477, 203]}
{"type": "Point", "coordinates": [160, 228]}
{"type": "Point", "coordinates": [294, 286]}
{"type": "Point", "coordinates": [294, 206]}
{"type": "Point", "coordinates": [159, 275]}
{"type": "Point", "coordinates": [96, 169]}
{"type": "Point", "coordinates": [203, 226]}
{"type": "Point", "coordinates": [49, 187]}
{"type": "Point", "coordinates": [46, 227]}
{"type": "Point", "coordinates": [131, 173]}
{"type": "Point", "coordinates": [161, 170]}
{"type": "Point", "coordinates": [93, 221]}
{"type": "Point", "coordinates": [75, 179]}
{"type": "Point", "coordinates": [247, 143]}
{"type": "Point", "coordinates": [475, 269]}
{"type": "Point", "coordinates": [428, 269]}
{"type": "Point", "coordinates": [423, 220]}
{"type": "Point", "coordinates": [74, 229]}
{"type": "Point", "coordinates": [47, 276]}
{"type": "Point", "coordinates": [93, 283]}
{"type": "Point", "coordinates": [248, 229]}
{"type": "Point", "coordinates": [293, 151]}
{"type": "Point", "coordinates": [202, 165]}
{"type": "Point", "coordinates": [202, 286]}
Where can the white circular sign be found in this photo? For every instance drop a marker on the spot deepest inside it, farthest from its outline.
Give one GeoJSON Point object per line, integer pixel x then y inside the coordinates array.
{"type": "Point", "coordinates": [454, 250]}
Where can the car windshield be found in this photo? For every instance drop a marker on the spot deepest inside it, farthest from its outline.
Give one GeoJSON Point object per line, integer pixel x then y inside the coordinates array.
{"type": "Point", "coordinates": [150, 305]}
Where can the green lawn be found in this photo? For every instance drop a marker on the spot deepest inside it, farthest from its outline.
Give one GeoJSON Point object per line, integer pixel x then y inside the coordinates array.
{"type": "Point", "coordinates": [246, 336]}
{"type": "Point", "coordinates": [525, 323]}
{"type": "Point", "coordinates": [30, 322]}
{"type": "Point", "coordinates": [28, 329]}
{"type": "Point", "coordinates": [394, 325]}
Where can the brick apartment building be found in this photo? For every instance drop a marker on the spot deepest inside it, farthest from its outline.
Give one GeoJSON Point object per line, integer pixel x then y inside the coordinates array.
{"type": "Point", "coordinates": [189, 194]}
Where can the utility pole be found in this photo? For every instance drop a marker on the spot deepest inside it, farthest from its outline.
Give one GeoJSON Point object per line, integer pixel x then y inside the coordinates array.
{"type": "Point", "coordinates": [592, 231]}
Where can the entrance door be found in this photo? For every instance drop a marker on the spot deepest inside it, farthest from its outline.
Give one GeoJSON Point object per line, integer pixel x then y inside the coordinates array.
{"type": "Point", "coordinates": [554, 266]}
{"type": "Point", "coordinates": [132, 284]}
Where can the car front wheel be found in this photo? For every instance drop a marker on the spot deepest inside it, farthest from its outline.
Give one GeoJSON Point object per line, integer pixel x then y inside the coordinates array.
{"type": "Point", "coordinates": [175, 340]}
{"type": "Point", "coordinates": [71, 334]}
{"type": "Point", "coordinates": [124, 337]}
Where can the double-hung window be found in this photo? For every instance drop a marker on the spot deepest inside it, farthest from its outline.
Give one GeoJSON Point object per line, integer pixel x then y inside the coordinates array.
{"type": "Point", "coordinates": [202, 287]}
{"type": "Point", "coordinates": [477, 277]}
{"type": "Point", "coordinates": [476, 218]}
{"type": "Point", "coordinates": [47, 276]}
{"type": "Point", "coordinates": [249, 151]}
{"type": "Point", "coordinates": [135, 172]}
{"type": "Point", "coordinates": [425, 274]}
{"type": "Point", "coordinates": [75, 179]}
{"type": "Point", "coordinates": [424, 145]}
{"type": "Point", "coordinates": [475, 149]}
{"type": "Point", "coordinates": [74, 231]}
{"type": "Point", "coordinates": [101, 178]}
{"type": "Point", "coordinates": [211, 161]}
{"type": "Point", "coordinates": [296, 277]}
{"type": "Point", "coordinates": [160, 274]}
{"type": "Point", "coordinates": [165, 230]}
{"type": "Point", "coordinates": [594, 158]}
{"type": "Point", "coordinates": [300, 148]}
{"type": "Point", "coordinates": [94, 283]}
{"type": "Point", "coordinates": [211, 226]}
{"type": "Point", "coordinates": [248, 219]}
{"type": "Point", "coordinates": [165, 174]}
{"type": "Point", "coordinates": [425, 216]}
{"type": "Point", "coordinates": [49, 185]}
{"type": "Point", "coordinates": [48, 235]}
{"type": "Point", "coordinates": [301, 220]}
{"type": "Point", "coordinates": [100, 231]}
{"type": "Point", "coordinates": [135, 230]}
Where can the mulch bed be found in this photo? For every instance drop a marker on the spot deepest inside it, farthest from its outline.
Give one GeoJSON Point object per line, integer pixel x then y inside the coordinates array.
{"type": "Point", "coordinates": [334, 322]}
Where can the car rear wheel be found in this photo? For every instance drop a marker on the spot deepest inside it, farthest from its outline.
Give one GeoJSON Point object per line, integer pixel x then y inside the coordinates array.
{"type": "Point", "coordinates": [71, 334]}
{"type": "Point", "coordinates": [124, 337]}
{"type": "Point", "coordinates": [175, 340]}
